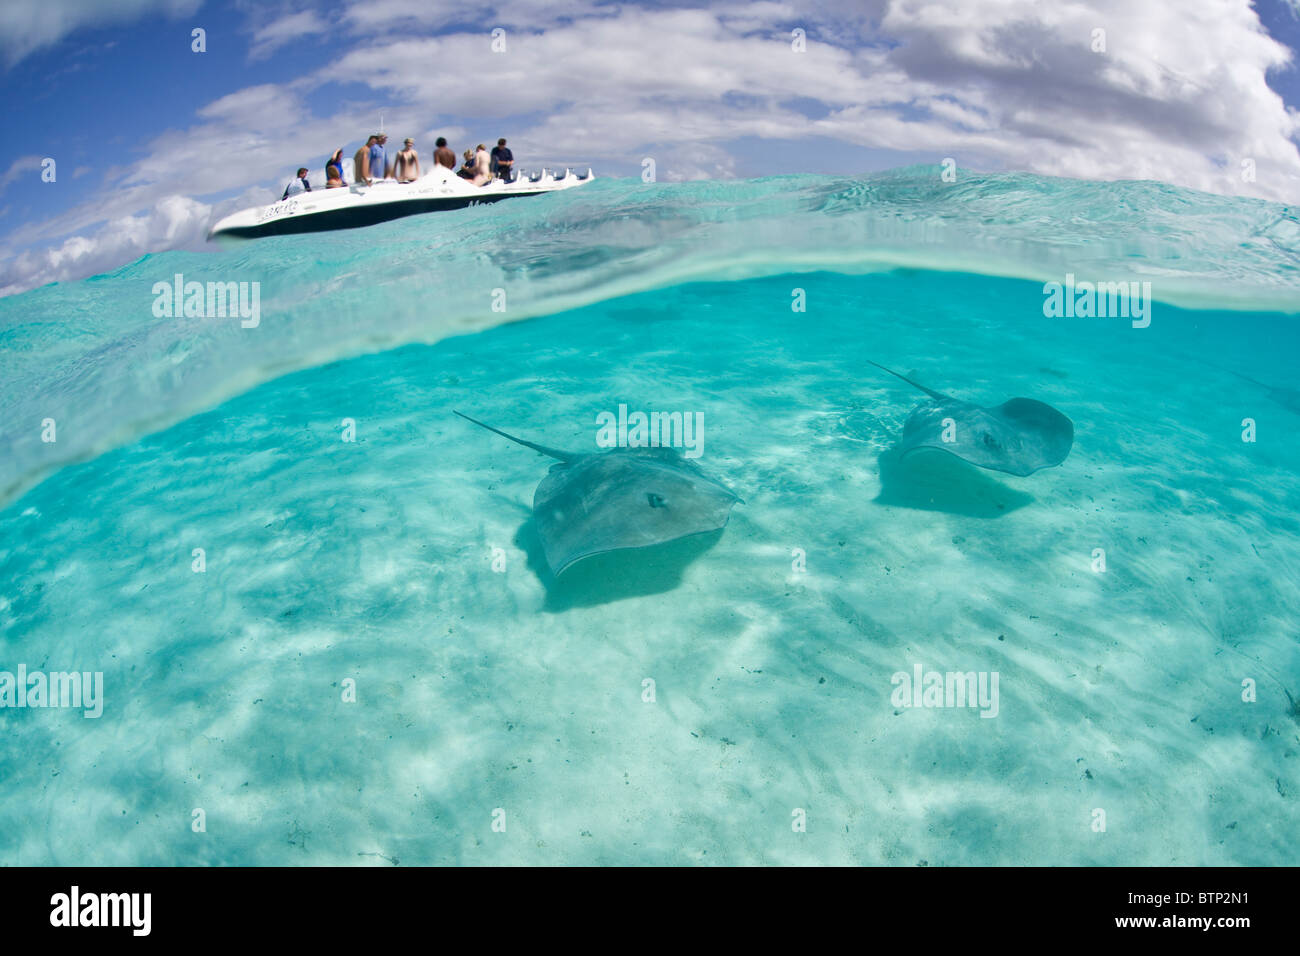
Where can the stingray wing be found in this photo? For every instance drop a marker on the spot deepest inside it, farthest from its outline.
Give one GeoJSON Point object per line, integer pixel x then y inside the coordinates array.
{"type": "Point", "coordinates": [1018, 437]}
{"type": "Point", "coordinates": [627, 498]}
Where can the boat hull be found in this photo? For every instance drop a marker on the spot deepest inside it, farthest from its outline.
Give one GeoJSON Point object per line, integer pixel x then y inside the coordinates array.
{"type": "Point", "coordinates": [355, 217]}
{"type": "Point", "coordinates": [354, 207]}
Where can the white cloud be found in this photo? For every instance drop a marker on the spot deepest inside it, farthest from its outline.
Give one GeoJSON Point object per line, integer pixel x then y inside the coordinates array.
{"type": "Point", "coordinates": [29, 165]}
{"type": "Point", "coordinates": [250, 107]}
{"type": "Point", "coordinates": [371, 17]}
{"type": "Point", "coordinates": [294, 26]}
{"type": "Point", "coordinates": [170, 223]}
{"type": "Point", "coordinates": [30, 25]}
{"type": "Point", "coordinates": [1179, 94]}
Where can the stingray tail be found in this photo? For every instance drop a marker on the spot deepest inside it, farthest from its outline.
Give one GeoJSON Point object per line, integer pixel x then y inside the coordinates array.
{"type": "Point", "coordinates": [552, 452]}
{"type": "Point", "coordinates": [929, 391]}
{"type": "Point", "coordinates": [1226, 370]}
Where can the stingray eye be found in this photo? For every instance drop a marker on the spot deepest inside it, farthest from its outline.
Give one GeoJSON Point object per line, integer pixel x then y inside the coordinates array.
{"type": "Point", "coordinates": [656, 501]}
{"type": "Point", "coordinates": [990, 441]}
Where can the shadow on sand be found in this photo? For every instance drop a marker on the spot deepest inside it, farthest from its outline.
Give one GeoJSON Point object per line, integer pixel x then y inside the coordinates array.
{"type": "Point", "coordinates": [933, 480]}
{"type": "Point", "coordinates": [614, 575]}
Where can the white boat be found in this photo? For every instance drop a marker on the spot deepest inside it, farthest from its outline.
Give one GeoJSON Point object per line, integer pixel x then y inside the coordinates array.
{"type": "Point", "coordinates": [356, 204]}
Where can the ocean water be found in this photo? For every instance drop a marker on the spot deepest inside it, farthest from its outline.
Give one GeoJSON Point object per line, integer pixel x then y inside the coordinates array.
{"type": "Point", "coordinates": [375, 667]}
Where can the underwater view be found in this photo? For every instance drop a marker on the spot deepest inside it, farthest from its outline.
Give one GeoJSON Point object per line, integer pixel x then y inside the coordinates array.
{"type": "Point", "coordinates": [836, 520]}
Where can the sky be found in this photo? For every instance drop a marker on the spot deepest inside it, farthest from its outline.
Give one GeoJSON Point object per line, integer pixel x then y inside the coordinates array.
{"type": "Point", "coordinates": [152, 141]}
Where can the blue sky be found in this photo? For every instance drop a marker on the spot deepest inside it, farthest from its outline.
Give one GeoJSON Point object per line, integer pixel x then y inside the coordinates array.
{"type": "Point", "coordinates": [153, 141]}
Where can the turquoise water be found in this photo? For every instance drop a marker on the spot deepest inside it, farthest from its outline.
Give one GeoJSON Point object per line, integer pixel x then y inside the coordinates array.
{"type": "Point", "coordinates": [487, 692]}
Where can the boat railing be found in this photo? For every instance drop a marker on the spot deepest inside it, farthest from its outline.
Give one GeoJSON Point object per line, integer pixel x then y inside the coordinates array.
{"type": "Point", "coordinates": [537, 175]}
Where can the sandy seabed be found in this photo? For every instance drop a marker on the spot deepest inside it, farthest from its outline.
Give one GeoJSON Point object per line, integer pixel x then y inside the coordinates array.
{"type": "Point", "coordinates": [500, 696]}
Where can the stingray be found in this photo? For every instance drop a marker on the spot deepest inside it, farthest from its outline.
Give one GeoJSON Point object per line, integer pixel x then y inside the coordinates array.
{"type": "Point", "coordinates": [1284, 395]}
{"type": "Point", "coordinates": [1018, 437]}
{"type": "Point", "coordinates": [623, 498]}
{"type": "Point", "coordinates": [1287, 397]}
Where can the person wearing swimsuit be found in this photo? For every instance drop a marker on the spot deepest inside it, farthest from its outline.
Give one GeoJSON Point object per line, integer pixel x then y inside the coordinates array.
{"type": "Point", "coordinates": [334, 170]}
{"type": "Point", "coordinates": [407, 167]}
{"type": "Point", "coordinates": [482, 167]}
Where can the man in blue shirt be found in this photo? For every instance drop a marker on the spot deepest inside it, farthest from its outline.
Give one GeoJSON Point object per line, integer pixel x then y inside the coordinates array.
{"type": "Point", "coordinates": [378, 157]}
{"type": "Point", "coordinates": [502, 160]}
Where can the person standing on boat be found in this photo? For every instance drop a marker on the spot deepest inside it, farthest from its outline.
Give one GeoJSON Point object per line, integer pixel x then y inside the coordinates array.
{"type": "Point", "coordinates": [406, 168]}
{"type": "Point", "coordinates": [443, 156]}
{"type": "Point", "coordinates": [297, 185]}
{"type": "Point", "coordinates": [482, 166]}
{"type": "Point", "coordinates": [502, 160]}
{"type": "Point", "coordinates": [334, 170]}
{"type": "Point", "coordinates": [361, 163]}
{"type": "Point", "coordinates": [378, 157]}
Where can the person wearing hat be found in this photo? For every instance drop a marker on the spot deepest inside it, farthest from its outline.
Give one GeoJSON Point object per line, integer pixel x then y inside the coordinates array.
{"type": "Point", "coordinates": [406, 169]}
{"type": "Point", "coordinates": [378, 157]}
